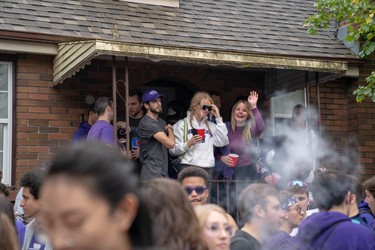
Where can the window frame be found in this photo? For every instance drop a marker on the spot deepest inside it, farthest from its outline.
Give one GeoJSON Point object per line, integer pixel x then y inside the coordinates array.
{"type": "Point", "coordinates": [8, 142]}
{"type": "Point", "coordinates": [288, 113]}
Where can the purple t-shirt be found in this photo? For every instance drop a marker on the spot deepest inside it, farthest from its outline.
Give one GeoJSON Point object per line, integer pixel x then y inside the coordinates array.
{"type": "Point", "coordinates": [101, 131]}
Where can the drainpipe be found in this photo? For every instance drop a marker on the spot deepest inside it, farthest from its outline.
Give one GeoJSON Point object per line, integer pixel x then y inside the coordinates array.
{"type": "Point", "coordinates": [114, 100]}
{"type": "Point", "coordinates": [127, 107]}
{"type": "Point", "coordinates": [318, 101]}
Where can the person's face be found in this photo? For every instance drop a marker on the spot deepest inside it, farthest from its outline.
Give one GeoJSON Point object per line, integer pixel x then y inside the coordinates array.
{"type": "Point", "coordinates": [110, 110]}
{"type": "Point", "coordinates": [134, 106]}
{"type": "Point", "coordinates": [217, 232]}
{"type": "Point", "coordinates": [194, 197]}
{"type": "Point", "coordinates": [74, 218]}
{"type": "Point", "coordinates": [273, 214]}
{"type": "Point", "coordinates": [240, 112]}
{"type": "Point", "coordinates": [217, 101]}
{"type": "Point", "coordinates": [295, 215]}
{"type": "Point", "coordinates": [93, 117]}
{"type": "Point", "coordinates": [30, 205]}
{"type": "Point", "coordinates": [155, 106]}
{"type": "Point", "coordinates": [370, 201]}
{"type": "Point", "coordinates": [200, 109]}
{"type": "Point", "coordinates": [302, 200]}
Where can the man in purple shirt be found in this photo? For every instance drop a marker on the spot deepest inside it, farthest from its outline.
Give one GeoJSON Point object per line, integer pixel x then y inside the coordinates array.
{"type": "Point", "coordinates": [102, 130]}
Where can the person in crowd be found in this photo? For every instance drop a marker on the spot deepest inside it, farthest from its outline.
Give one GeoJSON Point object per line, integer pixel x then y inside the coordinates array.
{"type": "Point", "coordinates": [194, 181]}
{"type": "Point", "coordinates": [215, 227]}
{"type": "Point", "coordinates": [369, 186]}
{"type": "Point", "coordinates": [102, 130]}
{"type": "Point", "coordinates": [196, 136]}
{"type": "Point", "coordinates": [245, 127]}
{"type": "Point", "coordinates": [216, 99]}
{"type": "Point", "coordinates": [91, 201]}
{"type": "Point", "coordinates": [293, 215]}
{"type": "Point", "coordinates": [356, 196]}
{"type": "Point", "coordinates": [331, 228]}
{"type": "Point", "coordinates": [260, 209]}
{"type": "Point", "coordinates": [175, 225]}
{"type": "Point", "coordinates": [8, 236]}
{"type": "Point", "coordinates": [32, 204]}
{"type": "Point", "coordinates": [156, 137]}
{"type": "Point", "coordinates": [8, 207]}
{"type": "Point", "coordinates": [84, 127]}
{"type": "Point", "coordinates": [136, 113]}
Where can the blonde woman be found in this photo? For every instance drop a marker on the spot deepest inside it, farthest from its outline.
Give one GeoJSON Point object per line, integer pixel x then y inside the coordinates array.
{"type": "Point", "coordinates": [246, 124]}
{"type": "Point", "coordinates": [195, 135]}
{"type": "Point", "coordinates": [215, 226]}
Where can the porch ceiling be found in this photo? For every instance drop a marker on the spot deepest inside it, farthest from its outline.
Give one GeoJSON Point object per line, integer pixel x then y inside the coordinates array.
{"type": "Point", "coordinates": [72, 57]}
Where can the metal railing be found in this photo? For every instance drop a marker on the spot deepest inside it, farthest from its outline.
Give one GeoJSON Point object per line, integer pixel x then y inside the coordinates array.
{"type": "Point", "coordinates": [225, 193]}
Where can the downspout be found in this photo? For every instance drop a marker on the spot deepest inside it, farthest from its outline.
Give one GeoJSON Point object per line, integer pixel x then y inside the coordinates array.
{"type": "Point", "coordinates": [127, 107]}
{"type": "Point", "coordinates": [114, 100]}
{"type": "Point", "coordinates": [318, 101]}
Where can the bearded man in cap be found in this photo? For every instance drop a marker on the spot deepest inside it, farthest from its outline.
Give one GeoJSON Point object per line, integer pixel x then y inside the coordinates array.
{"type": "Point", "coordinates": [155, 136]}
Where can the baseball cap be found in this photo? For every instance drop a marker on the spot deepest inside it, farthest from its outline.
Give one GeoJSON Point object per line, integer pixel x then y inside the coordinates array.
{"type": "Point", "coordinates": [150, 95]}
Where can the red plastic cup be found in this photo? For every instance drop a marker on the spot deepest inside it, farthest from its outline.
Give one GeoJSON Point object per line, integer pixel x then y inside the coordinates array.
{"type": "Point", "coordinates": [234, 159]}
{"type": "Point", "coordinates": [275, 178]}
{"type": "Point", "coordinates": [201, 132]}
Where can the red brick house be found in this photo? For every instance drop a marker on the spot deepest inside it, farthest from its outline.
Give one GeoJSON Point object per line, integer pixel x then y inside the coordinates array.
{"type": "Point", "coordinates": [55, 55]}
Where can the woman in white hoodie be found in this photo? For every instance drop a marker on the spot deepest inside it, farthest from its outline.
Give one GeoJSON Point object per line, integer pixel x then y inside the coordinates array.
{"type": "Point", "coordinates": [195, 149]}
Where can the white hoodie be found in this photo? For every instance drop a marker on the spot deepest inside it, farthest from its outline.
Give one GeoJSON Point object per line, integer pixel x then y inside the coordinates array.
{"type": "Point", "coordinates": [201, 154]}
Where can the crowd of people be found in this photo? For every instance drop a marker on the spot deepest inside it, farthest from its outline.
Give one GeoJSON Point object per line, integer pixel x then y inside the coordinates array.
{"type": "Point", "coordinates": [92, 195]}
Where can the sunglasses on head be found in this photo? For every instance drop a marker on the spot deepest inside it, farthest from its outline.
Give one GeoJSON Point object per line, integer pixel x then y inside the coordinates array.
{"type": "Point", "coordinates": [198, 189]}
{"type": "Point", "coordinates": [206, 107]}
{"type": "Point", "coordinates": [297, 183]}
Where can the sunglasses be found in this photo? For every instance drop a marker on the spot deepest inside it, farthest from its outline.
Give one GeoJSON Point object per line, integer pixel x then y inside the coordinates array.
{"type": "Point", "coordinates": [206, 107]}
{"type": "Point", "coordinates": [198, 189]}
{"type": "Point", "coordinates": [297, 183]}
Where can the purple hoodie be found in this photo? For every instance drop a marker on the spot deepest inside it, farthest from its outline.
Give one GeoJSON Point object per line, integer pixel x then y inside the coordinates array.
{"type": "Point", "coordinates": [333, 231]}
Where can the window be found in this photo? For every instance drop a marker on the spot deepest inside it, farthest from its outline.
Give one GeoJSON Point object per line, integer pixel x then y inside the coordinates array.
{"type": "Point", "coordinates": [6, 120]}
{"type": "Point", "coordinates": [281, 109]}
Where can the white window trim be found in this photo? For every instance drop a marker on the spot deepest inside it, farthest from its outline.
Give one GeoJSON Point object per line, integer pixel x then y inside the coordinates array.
{"type": "Point", "coordinates": [7, 140]}
{"type": "Point", "coordinates": [288, 113]}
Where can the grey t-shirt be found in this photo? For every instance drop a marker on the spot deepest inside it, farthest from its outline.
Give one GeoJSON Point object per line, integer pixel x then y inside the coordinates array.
{"type": "Point", "coordinates": [153, 155]}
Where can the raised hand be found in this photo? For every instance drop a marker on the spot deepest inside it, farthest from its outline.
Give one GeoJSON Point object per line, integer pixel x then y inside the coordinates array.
{"type": "Point", "coordinates": [253, 99]}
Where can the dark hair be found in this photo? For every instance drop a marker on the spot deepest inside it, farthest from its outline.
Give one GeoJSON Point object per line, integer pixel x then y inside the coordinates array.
{"type": "Point", "coordinates": [357, 189]}
{"type": "Point", "coordinates": [135, 92]}
{"type": "Point", "coordinates": [329, 189]}
{"type": "Point", "coordinates": [298, 190]}
{"type": "Point", "coordinates": [6, 207]}
{"type": "Point", "coordinates": [111, 177]}
{"type": "Point", "coordinates": [193, 171]}
{"type": "Point", "coordinates": [253, 195]}
{"type": "Point", "coordinates": [298, 110]}
{"type": "Point", "coordinates": [369, 185]}
{"type": "Point", "coordinates": [4, 190]}
{"type": "Point", "coordinates": [175, 223]}
{"type": "Point", "coordinates": [33, 180]}
{"type": "Point", "coordinates": [284, 196]}
{"type": "Point", "coordinates": [101, 104]}
{"type": "Point", "coordinates": [92, 109]}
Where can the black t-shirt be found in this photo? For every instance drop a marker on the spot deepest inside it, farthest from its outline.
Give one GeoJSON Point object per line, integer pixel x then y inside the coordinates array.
{"type": "Point", "coordinates": [244, 241]}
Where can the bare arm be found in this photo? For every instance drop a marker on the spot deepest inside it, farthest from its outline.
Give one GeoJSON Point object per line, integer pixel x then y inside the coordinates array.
{"type": "Point", "coordinates": [163, 138]}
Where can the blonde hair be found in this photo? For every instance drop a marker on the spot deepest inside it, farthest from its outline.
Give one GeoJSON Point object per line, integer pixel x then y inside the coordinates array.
{"type": "Point", "coordinates": [246, 134]}
{"type": "Point", "coordinates": [8, 235]}
{"type": "Point", "coordinates": [203, 211]}
{"type": "Point", "coordinates": [198, 98]}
